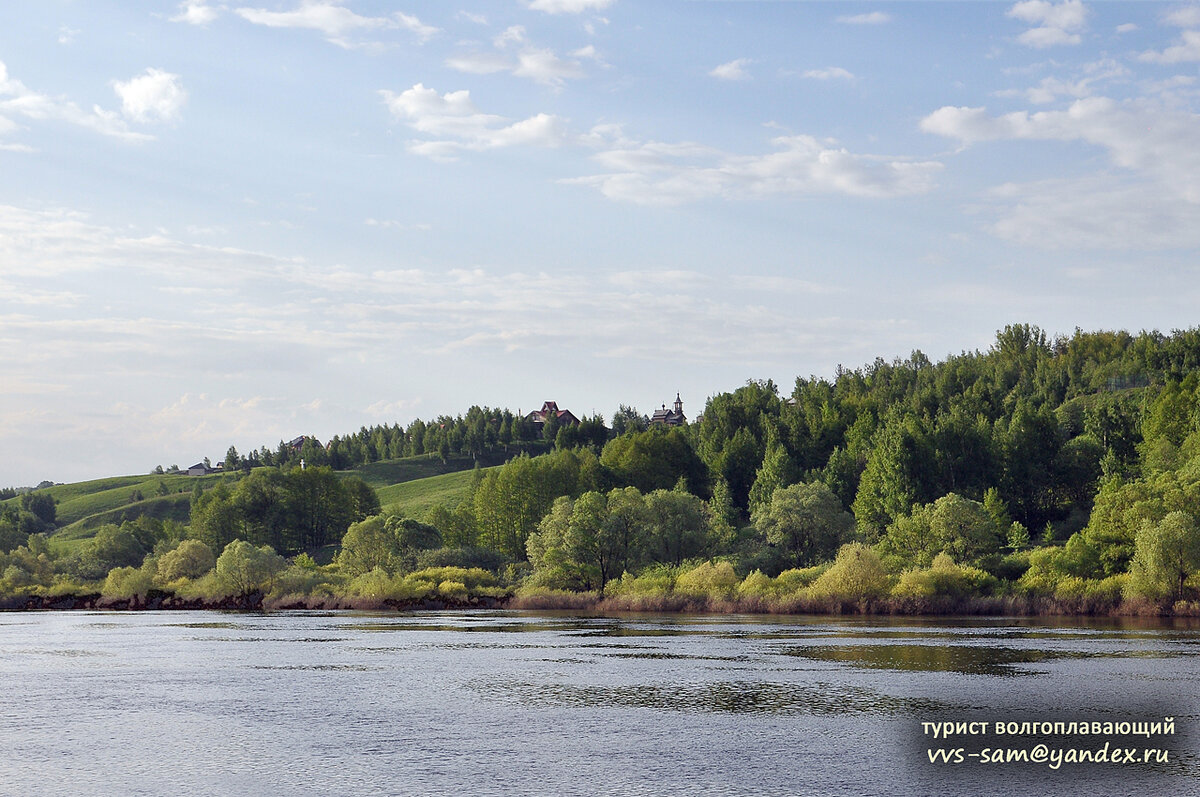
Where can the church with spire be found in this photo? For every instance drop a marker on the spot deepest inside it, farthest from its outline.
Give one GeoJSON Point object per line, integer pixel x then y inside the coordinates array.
{"type": "Point", "coordinates": [669, 417]}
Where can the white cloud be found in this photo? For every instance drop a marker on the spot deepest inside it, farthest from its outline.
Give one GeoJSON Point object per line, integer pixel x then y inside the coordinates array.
{"type": "Point", "coordinates": [828, 73]}
{"type": "Point", "coordinates": [1153, 200]}
{"type": "Point", "coordinates": [543, 66]}
{"type": "Point", "coordinates": [567, 6]}
{"type": "Point", "coordinates": [195, 12]}
{"type": "Point", "coordinates": [1128, 27]}
{"type": "Point", "coordinates": [67, 35]}
{"type": "Point", "coordinates": [653, 172]}
{"type": "Point", "coordinates": [155, 96]}
{"type": "Point", "coordinates": [1137, 135]}
{"type": "Point", "coordinates": [480, 63]}
{"type": "Point", "coordinates": [16, 99]}
{"type": "Point", "coordinates": [540, 65]}
{"type": "Point", "coordinates": [1183, 17]}
{"type": "Point", "coordinates": [656, 173]}
{"type": "Point", "coordinates": [337, 23]}
{"type": "Point", "coordinates": [873, 18]}
{"type": "Point", "coordinates": [459, 125]}
{"type": "Point", "coordinates": [732, 70]}
{"type": "Point", "coordinates": [1095, 213]}
{"type": "Point", "coordinates": [1057, 23]}
{"type": "Point", "coordinates": [514, 34]}
{"type": "Point", "coordinates": [1090, 75]}
{"type": "Point", "coordinates": [1188, 50]}
{"type": "Point", "coordinates": [478, 19]}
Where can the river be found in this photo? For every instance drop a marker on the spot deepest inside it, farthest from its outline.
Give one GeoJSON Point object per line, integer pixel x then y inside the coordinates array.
{"type": "Point", "coordinates": [514, 703]}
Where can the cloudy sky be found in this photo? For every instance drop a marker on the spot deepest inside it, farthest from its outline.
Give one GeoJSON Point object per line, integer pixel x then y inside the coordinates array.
{"type": "Point", "coordinates": [232, 223]}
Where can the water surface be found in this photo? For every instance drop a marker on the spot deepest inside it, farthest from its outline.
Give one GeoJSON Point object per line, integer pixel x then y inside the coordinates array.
{"type": "Point", "coordinates": [509, 703]}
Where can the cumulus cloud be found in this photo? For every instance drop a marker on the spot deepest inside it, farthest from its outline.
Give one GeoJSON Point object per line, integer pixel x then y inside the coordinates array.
{"type": "Point", "coordinates": [1056, 23]}
{"type": "Point", "coordinates": [1136, 134]}
{"type": "Point", "coordinates": [656, 173]}
{"type": "Point", "coordinates": [872, 18]}
{"type": "Point", "coordinates": [828, 73]}
{"type": "Point", "coordinates": [1100, 212]}
{"type": "Point", "coordinates": [567, 6]}
{"type": "Point", "coordinates": [539, 64]}
{"type": "Point", "coordinates": [1082, 84]}
{"type": "Point", "coordinates": [543, 66]}
{"type": "Point", "coordinates": [195, 12]}
{"type": "Point", "coordinates": [1183, 17]}
{"type": "Point", "coordinates": [155, 96]}
{"type": "Point", "coordinates": [339, 24]}
{"type": "Point", "coordinates": [1152, 197]}
{"type": "Point", "coordinates": [732, 70]}
{"type": "Point", "coordinates": [1186, 51]}
{"type": "Point", "coordinates": [457, 124]}
{"type": "Point", "coordinates": [18, 100]}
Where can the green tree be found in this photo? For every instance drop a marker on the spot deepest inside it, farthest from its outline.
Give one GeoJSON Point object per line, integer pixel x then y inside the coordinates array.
{"type": "Point", "coordinates": [655, 460]}
{"type": "Point", "coordinates": [191, 559]}
{"type": "Point", "coordinates": [677, 527]}
{"type": "Point", "coordinates": [243, 568]}
{"type": "Point", "coordinates": [776, 472]}
{"type": "Point", "coordinates": [1166, 554]}
{"type": "Point", "coordinates": [367, 545]}
{"type": "Point", "coordinates": [805, 522]}
{"type": "Point", "coordinates": [895, 476]}
{"type": "Point", "coordinates": [232, 460]}
{"type": "Point", "coordinates": [41, 505]}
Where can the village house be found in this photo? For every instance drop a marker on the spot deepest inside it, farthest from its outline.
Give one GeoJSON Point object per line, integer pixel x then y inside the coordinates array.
{"type": "Point", "coordinates": [550, 409]}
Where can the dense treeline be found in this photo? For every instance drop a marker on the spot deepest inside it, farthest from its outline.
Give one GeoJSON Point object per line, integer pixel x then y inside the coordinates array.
{"type": "Point", "coordinates": [479, 431]}
{"type": "Point", "coordinates": [1039, 475]}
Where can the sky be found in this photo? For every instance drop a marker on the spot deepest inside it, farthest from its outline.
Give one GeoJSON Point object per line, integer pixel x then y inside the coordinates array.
{"type": "Point", "coordinates": [236, 223]}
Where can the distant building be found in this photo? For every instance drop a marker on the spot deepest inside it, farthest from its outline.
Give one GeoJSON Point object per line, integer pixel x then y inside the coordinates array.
{"type": "Point", "coordinates": [550, 409]}
{"type": "Point", "coordinates": [200, 469]}
{"type": "Point", "coordinates": [298, 443]}
{"type": "Point", "coordinates": [669, 417]}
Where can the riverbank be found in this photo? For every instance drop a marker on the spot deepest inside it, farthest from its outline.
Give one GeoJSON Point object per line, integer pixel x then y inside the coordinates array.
{"type": "Point", "coordinates": [254, 602]}
{"type": "Point", "coordinates": [592, 603]}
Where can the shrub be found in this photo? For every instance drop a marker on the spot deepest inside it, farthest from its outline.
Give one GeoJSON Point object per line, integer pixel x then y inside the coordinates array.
{"type": "Point", "coordinates": [191, 559]}
{"type": "Point", "coordinates": [857, 573]}
{"type": "Point", "coordinates": [945, 578]}
{"type": "Point", "coordinates": [656, 581]}
{"type": "Point", "coordinates": [127, 582]}
{"type": "Point", "coordinates": [708, 580]}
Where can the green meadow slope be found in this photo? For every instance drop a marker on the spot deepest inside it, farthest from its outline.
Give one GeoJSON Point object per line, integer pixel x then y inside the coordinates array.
{"type": "Point", "coordinates": [408, 486]}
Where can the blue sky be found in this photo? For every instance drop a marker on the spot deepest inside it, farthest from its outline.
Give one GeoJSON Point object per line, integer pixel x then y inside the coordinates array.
{"type": "Point", "coordinates": [234, 223]}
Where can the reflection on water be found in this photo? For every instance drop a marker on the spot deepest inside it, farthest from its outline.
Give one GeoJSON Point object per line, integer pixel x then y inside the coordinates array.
{"type": "Point", "coordinates": [516, 703]}
{"type": "Point", "coordinates": [724, 697]}
{"type": "Point", "coordinates": [930, 658]}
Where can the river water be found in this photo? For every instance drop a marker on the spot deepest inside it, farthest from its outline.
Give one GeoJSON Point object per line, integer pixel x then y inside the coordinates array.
{"type": "Point", "coordinates": [512, 703]}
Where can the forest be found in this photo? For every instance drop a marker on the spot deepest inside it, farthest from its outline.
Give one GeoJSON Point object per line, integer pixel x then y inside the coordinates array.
{"type": "Point", "coordinates": [1039, 476]}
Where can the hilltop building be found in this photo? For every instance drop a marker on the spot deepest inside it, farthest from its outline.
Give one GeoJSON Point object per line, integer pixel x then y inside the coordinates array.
{"type": "Point", "coordinates": [669, 417]}
{"type": "Point", "coordinates": [550, 409]}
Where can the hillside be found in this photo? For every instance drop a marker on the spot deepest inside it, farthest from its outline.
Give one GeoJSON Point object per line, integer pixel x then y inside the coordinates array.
{"type": "Point", "coordinates": [408, 486]}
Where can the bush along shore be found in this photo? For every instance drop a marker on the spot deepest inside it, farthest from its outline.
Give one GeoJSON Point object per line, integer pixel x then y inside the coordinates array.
{"type": "Point", "coordinates": [856, 582]}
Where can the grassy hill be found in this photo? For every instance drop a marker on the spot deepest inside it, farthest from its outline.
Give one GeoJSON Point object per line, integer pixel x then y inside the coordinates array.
{"type": "Point", "coordinates": [415, 498]}
{"type": "Point", "coordinates": [409, 486]}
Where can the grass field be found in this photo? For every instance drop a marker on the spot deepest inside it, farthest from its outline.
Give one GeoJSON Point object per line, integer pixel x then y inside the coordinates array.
{"type": "Point", "coordinates": [415, 498]}
{"type": "Point", "coordinates": [83, 499]}
{"type": "Point", "coordinates": [408, 486]}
